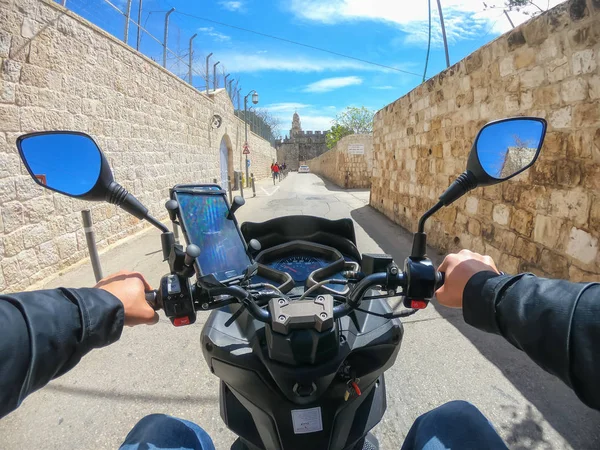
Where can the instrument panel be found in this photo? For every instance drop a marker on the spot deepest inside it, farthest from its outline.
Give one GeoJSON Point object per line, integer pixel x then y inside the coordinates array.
{"type": "Point", "coordinates": [302, 261]}
{"type": "Point", "coordinates": [299, 266]}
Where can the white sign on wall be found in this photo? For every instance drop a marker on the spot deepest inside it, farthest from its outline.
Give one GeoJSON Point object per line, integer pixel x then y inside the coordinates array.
{"type": "Point", "coordinates": [356, 149]}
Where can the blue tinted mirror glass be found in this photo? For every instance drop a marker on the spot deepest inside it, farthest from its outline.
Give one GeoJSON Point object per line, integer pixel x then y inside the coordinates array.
{"type": "Point", "coordinates": [67, 163]}
{"type": "Point", "coordinates": [509, 147]}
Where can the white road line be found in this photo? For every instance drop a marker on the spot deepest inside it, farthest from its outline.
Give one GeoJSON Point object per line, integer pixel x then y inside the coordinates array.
{"type": "Point", "coordinates": [274, 190]}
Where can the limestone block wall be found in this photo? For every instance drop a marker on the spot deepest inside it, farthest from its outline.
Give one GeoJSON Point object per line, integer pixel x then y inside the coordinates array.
{"type": "Point", "coordinates": [344, 168]}
{"type": "Point", "coordinates": [58, 71]}
{"type": "Point", "coordinates": [546, 220]}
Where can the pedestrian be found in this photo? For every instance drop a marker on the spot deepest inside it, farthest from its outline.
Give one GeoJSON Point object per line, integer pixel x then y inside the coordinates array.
{"type": "Point", "coordinates": [275, 171]}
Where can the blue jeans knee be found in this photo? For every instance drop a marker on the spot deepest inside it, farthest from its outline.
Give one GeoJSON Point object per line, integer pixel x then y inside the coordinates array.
{"type": "Point", "coordinates": [454, 425]}
{"type": "Point", "coordinates": [159, 431]}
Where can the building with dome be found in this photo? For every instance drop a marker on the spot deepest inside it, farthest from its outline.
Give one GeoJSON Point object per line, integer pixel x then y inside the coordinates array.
{"type": "Point", "coordinates": [300, 146]}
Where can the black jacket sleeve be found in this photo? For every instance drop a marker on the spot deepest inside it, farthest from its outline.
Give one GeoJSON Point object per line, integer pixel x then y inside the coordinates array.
{"type": "Point", "coordinates": [43, 334]}
{"type": "Point", "coordinates": [557, 323]}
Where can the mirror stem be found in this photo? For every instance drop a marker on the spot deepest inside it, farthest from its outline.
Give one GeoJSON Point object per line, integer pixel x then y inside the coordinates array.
{"type": "Point", "coordinates": [419, 248]}
{"type": "Point", "coordinates": [118, 195]}
{"type": "Point", "coordinates": [435, 208]}
{"type": "Point", "coordinates": [465, 182]}
{"type": "Point", "coordinates": [157, 224]}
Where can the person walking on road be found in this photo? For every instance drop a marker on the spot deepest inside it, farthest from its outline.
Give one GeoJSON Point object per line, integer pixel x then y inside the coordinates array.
{"type": "Point", "coordinates": [275, 170]}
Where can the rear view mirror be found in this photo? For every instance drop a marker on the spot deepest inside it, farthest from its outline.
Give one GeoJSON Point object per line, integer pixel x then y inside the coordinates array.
{"type": "Point", "coordinates": [71, 163]}
{"type": "Point", "coordinates": [502, 150]}
{"type": "Point", "coordinates": [506, 148]}
{"type": "Point", "coordinates": [67, 162]}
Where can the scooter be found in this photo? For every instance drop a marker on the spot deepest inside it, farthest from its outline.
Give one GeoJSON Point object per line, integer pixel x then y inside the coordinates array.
{"type": "Point", "coordinates": [300, 332]}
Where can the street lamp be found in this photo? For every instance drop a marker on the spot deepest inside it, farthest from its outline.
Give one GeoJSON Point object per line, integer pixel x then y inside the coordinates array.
{"type": "Point", "coordinates": [255, 101]}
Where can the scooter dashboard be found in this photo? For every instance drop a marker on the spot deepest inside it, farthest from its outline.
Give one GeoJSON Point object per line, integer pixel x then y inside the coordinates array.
{"type": "Point", "coordinates": [301, 260]}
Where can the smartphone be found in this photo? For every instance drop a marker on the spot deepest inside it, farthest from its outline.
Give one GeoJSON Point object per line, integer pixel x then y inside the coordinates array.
{"type": "Point", "coordinates": [203, 212]}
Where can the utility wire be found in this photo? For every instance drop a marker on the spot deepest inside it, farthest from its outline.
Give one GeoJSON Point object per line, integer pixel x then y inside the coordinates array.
{"type": "Point", "coordinates": [428, 41]}
{"type": "Point", "coordinates": [296, 43]}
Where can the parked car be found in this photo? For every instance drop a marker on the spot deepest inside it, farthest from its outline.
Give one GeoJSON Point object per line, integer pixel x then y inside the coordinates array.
{"type": "Point", "coordinates": [303, 169]}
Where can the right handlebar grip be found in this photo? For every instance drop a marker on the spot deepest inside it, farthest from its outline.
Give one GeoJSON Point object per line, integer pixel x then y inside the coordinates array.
{"type": "Point", "coordinates": [440, 277]}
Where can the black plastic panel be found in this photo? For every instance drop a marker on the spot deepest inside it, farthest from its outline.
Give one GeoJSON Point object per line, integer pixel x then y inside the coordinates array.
{"type": "Point", "coordinates": [268, 389]}
{"type": "Point", "coordinates": [334, 233]}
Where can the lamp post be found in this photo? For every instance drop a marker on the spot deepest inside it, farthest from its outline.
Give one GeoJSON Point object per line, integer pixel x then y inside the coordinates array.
{"type": "Point", "coordinates": [255, 101]}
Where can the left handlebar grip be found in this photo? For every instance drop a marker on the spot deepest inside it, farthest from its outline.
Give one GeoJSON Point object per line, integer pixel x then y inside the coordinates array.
{"type": "Point", "coordinates": [152, 299]}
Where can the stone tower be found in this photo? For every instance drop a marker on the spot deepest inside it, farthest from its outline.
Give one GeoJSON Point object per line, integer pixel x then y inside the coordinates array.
{"type": "Point", "coordinates": [296, 126]}
{"type": "Point", "coordinates": [301, 145]}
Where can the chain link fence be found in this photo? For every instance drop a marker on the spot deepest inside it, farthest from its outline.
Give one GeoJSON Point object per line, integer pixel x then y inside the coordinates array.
{"type": "Point", "coordinates": [163, 37]}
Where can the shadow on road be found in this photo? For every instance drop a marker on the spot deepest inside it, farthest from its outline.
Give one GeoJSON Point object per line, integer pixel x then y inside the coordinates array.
{"type": "Point", "coordinates": [330, 186]}
{"type": "Point", "coordinates": [126, 396]}
{"type": "Point", "coordinates": [578, 424]}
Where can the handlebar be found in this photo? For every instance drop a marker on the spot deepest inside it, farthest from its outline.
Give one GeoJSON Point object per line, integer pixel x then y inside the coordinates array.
{"type": "Point", "coordinates": [389, 280]}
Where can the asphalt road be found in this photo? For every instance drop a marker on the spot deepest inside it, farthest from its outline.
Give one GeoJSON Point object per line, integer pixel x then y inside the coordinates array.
{"type": "Point", "coordinates": [161, 368]}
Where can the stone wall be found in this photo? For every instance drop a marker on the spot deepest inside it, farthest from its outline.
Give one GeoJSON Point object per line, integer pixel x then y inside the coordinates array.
{"type": "Point", "coordinates": [546, 220]}
{"type": "Point", "coordinates": [58, 71]}
{"type": "Point", "coordinates": [343, 168]}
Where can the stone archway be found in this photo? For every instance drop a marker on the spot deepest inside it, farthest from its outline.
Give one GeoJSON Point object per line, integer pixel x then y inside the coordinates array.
{"type": "Point", "coordinates": [225, 161]}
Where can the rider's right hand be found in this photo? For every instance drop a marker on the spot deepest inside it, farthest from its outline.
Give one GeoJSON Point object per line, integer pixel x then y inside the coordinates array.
{"type": "Point", "coordinates": [130, 289]}
{"type": "Point", "coordinates": [458, 269]}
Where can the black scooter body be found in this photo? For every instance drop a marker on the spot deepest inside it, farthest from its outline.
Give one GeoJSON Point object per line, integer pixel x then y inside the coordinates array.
{"type": "Point", "coordinates": [258, 394]}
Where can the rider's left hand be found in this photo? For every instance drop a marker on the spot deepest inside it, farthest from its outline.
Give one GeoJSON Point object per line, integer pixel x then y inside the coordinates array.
{"type": "Point", "coordinates": [130, 288]}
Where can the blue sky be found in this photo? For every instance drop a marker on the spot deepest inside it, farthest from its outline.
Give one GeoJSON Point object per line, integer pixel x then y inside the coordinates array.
{"type": "Point", "coordinates": [316, 84]}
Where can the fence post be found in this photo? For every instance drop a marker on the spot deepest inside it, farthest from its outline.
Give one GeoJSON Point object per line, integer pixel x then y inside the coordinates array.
{"type": "Point", "coordinates": [127, 16]}
{"type": "Point", "coordinates": [207, 77]}
{"type": "Point", "coordinates": [215, 79]}
{"type": "Point", "coordinates": [139, 26]}
{"type": "Point", "coordinates": [253, 185]}
{"type": "Point", "coordinates": [241, 185]}
{"type": "Point", "coordinates": [64, 3]}
{"type": "Point", "coordinates": [91, 243]}
{"type": "Point", "coordinates": [166, 37]}
{"type": "Point", "coordinates": [229, 189]}
{"type": "Point", "coordinates": [191, 60]}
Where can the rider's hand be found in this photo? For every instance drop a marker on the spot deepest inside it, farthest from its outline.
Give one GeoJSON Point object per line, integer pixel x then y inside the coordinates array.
{"type": "Point", "coordinates": [458, 269]}
{"type": "Point", "coordinates": [130, 288]}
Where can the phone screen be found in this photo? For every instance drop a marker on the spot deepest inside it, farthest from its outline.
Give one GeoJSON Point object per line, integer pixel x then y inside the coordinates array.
{"type": "Point", "coordinates": [222, 250]}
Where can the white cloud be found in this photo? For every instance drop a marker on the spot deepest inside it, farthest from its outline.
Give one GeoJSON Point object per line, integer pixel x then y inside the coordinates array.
{"type": "Point", "coordinates": [258, 62]}
{"type": "Point", "coordinates": [313, 118]}
{"type": "Point", "coordinates": [232, 5]}
{"type": "Point", "coordinates": [316, 123]}
{"type": "Point", "coordinates": [210, 31]}
{"type": "Point", "coordinates": [387, 87]}
{"type": "Point", "coordinates": [463, 19]}
{"type": "Point", "coordinates": [330, 84]}
{"type": "Point", "coordinates": [286, 107]}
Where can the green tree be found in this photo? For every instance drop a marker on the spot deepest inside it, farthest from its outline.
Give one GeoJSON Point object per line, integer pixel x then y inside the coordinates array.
{"type": "Point", "coordinates": [352, 120]}
{"type": "Point", "coordinates": [517, 5]}
{"type": "Point", "coordinates": [335, 134]}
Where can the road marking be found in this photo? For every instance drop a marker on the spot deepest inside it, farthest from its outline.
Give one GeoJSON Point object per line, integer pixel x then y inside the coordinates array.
{"type": "Point", "coordinates": [274, 190]}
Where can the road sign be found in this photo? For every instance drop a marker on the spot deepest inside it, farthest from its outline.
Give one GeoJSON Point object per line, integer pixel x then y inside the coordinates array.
{"type": "Point", "coordinates": [246, 149]}
{"type": "Point", "coordinates": [248, 163]}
